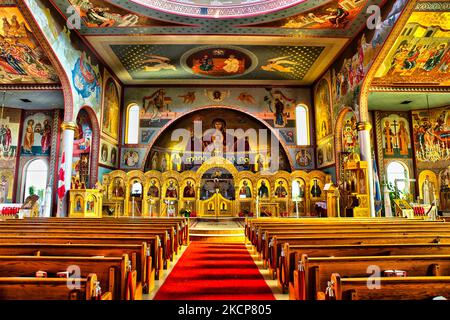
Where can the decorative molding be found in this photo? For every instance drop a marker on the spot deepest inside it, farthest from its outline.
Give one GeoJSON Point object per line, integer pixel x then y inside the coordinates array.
{"type": "Point", "coordinates": [433, 6]}
{"type": "Point", "coordinates": [31, 87]}
{"type": "Point", "coordinates": [441, 89]}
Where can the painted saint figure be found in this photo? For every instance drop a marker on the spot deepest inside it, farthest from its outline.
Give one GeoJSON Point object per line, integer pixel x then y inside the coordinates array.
{"type": "Point", "coordinates": [403, 138]}
{"type": "Point", "coordinates": [263, 191]}
{"type": "Point", "coordinates": [46, 138]}
{"type": "Point", "coordinates": [245, 191]}
{"type": "Point", "coordinates": [29, 136]}
{"type": "Point", "coordinates": [280, 191]}
{"type": "Point", "coordinates": [388, 136]}
{"type": "Point", "coordinates": [189, 191]}
{"type": "Point", "coordinates": [231, 64]}
{"type": "Point", "coordinates": [153, 190]}
{"type": "Point", "coordinates": [171, 191]}
{"type": "Point", "coordinates": [118, 189]}
{"type": "Point", "coordinates": [428, 191]}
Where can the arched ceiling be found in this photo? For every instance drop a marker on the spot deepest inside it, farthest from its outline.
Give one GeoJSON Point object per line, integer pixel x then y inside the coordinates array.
{"type": "Point", "coordinates": [147, 42]}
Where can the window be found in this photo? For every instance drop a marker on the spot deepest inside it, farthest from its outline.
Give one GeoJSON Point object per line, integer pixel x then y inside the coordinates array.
{"type": "Point", "coordinates": [36, 179]}
{"type": "Point", "coordinates": [302, 123]}
{"type": "Point", "coordinates": [398, 171]}
{"type": "Point", "coordinates": [132, 126]}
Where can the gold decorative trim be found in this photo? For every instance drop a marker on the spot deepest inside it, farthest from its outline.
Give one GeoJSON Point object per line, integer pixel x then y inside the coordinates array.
{"type": "Point", "coordinates": [364, 126]}
{"type": "Point", "coordinates": [69, 126]}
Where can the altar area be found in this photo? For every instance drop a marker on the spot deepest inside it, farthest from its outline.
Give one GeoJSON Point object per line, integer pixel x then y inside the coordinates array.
{"type": "Point", "coordinates": [216, 189]}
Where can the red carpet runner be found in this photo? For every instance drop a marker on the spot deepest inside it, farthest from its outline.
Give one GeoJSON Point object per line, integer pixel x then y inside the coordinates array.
{"type": "Point", "coordinates": [214, 271]}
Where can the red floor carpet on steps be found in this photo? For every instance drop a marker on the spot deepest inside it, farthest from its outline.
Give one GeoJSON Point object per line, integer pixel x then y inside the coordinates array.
{"type": "Point", "coordinates": [215, 271]}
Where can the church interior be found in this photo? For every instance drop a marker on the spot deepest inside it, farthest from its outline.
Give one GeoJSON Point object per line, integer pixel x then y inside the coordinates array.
{"type": "Point", "coordinates": [247, 149]}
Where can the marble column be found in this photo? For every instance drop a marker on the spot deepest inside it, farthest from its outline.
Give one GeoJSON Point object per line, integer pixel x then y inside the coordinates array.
{"type": "Point", "coordinates": [68, 134]}
{"type": "Point", "coordinates": [366, 155]}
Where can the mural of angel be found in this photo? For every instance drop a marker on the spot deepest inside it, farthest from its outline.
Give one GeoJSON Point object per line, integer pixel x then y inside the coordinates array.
{"type": "Point", "coordinates": [245, 98]}
{"type": "Point", "coordinates": [156, 102]}
{"type": "Point", "coordinates": [279, 64]}
{"type": "Point", "coordinates": [188, 97]}
{"type": "Point", "coordinates": [157, 63]}
{"type": "Point", "coordinates": [102, 17]}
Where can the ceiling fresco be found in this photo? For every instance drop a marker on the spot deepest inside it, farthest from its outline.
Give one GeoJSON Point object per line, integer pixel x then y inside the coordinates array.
{"type": "Point", "coordinates": [23, 61]}
{"type": "Point", "coordinates": [218, 9]}
{"type": "Point", "coordinates": [146, 17]}
{"type": "Point", "coordinates": [421, 54]}
{"type": "Point", "coordinates": [191, 61]}
{"type": "Point", "coordinates": [336, 14]}
{"type": "Point", "coordinates": [98, 14]}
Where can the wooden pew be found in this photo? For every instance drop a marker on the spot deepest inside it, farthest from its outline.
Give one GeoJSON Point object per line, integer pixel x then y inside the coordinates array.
{"type": "Point", "coordinates": [318, 270]}
{"type": "Point", "coordinates": [166, 234]}
{"type": "Point", "coordinates": [152, 243]}
{"type": "Point", "coordinates": [275, 248]}
{"type": "Point", "coordinates": [180, 229]}
{"type": "Point", "coordinates": [267, 236]}
{"type": "Point", "coordinates": [181, 223]}
{"type": "Point", "coordinates": [140, 260]}
{"type": "Point", "coordinates": [391, 288]}
{"type": "Point", "coordinates": [30, 288]}
{"type": "Point", "coordinates": [292, 253]}
{"type": "Point", "coordinates": [111, 272]}
{"type": "Point", "coordinates": [141, 236]}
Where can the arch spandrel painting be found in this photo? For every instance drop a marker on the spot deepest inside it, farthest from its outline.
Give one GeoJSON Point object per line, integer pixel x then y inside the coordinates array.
{"type": "Point", "coordinates": [231, 134]}
{"type": "Point", "coordinates": [421, 54]}
{"type": "Point", "coordinates": [22, 58]}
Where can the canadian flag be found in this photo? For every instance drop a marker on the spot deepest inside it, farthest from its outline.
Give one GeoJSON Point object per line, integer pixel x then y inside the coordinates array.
{"type": "Point", "coordinates": [61, 173]}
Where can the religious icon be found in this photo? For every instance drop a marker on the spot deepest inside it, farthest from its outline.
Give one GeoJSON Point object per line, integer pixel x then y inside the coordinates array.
{"type": "Point", "coordinates": [189, 191]}
{"type": "Point", "coordinates": [131, 158]}
{"type": "Point", "coordinates": [153, 190]}
{"type": "Point", "coordinates": [403, 138]}
{"type": "Point", "coordinates": [245, 191]}
{"type": "Point", "coordinates": [315, 189]}
{"type": "Point", "coordinates": [157, 101]}
{"type": "Point", "coordinates": [118, 191]}
{"type": "Point", "coordinates": [303, 158]}
{"type": "Point", "coordinates": [263, 191]}
{"type": "Point", "coordinates": [29, 137]}
{"type": "Point", "coordinates": [171, 191]}
{"type": "Point", "coordinates": [113, 156]}
{"type": "Point", "coordinates": [280, 191]}
{"type": "Point", "coordinates": [389, 137]}
{"type": "Point", "coordinates": [104, 153]}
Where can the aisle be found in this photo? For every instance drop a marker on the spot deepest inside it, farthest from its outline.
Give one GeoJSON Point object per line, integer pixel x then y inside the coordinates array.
{"type": "Point", "coordinates": [215, 271]}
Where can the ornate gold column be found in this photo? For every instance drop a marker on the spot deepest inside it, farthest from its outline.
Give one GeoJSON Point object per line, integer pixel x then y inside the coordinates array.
{"type": "Point", "coordinates": [68, 134]}
{"type": "Point", "coordinates": [366, 155]}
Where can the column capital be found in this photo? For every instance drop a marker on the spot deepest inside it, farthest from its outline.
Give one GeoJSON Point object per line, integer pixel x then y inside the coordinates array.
{"type": "Point", "coordinates": [69, 126]}
{"type": "Point", "coordinates": [363, 126]}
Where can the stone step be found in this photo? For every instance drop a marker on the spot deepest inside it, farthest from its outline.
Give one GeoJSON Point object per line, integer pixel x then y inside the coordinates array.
{"type": "Point", "coordinates": [217, 237]}
{"type": "Point", "coordinates": [216, 231]}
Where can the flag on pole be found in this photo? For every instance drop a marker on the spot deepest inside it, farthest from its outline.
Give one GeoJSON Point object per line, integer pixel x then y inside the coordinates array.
{"type": "Point", "coordinates": [61, 178]}
{"type": "Point", "coordinates": [376, 187]}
